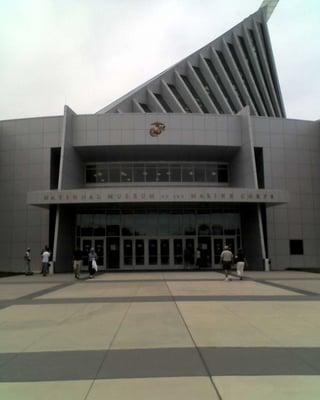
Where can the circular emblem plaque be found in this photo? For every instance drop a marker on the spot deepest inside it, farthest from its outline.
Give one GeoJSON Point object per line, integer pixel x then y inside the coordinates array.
{"type": "Point", "coordinates": [156, 128]}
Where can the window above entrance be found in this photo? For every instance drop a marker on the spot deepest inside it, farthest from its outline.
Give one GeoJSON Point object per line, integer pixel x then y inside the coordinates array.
{"type": "Point", "coordinates": [147, 172]}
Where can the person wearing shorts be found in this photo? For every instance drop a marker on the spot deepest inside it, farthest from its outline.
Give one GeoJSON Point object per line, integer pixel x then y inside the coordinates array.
{"type": "Point", "coordinates": [226, 259]}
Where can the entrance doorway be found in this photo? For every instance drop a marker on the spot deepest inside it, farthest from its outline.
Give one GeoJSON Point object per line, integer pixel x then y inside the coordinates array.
{"type": "Point", "coordinates": [205, 246]}
{"type": "Point", "coordinates": [155, 253]}
{"type": "Point", "coordinates": [218, 245]}
{"type": "Point", "coordinates": [99, 246]}
{"type": "Point", "coordinates": [113, 253]}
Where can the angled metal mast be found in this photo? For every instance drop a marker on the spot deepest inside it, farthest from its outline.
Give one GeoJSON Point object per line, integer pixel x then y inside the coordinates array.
{"type": "Point", "coordinates": [270, 5]}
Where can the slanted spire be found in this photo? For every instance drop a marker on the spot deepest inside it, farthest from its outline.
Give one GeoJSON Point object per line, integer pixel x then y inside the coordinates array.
{"type": "Point", "coordinates": [233, 71]}
{"type": "Point", "coordinates": [270, 5]}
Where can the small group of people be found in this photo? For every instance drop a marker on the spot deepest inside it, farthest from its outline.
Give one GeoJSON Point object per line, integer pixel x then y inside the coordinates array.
{"type": "Point", "coordinates": [227, 260]}
{"type": "Point", "coordinates": [92, 263]}
{"type": "Point", "coordinates": [77, 262]}
{"type": "Point", "coordinates": [45, 261]}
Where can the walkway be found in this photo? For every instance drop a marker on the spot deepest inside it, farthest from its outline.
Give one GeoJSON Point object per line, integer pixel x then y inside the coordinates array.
{"type": "Point", "coordinates": [160, 336]}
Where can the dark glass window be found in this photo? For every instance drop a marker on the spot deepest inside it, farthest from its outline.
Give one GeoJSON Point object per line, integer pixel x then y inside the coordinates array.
{"type": "Point", "coordinates": [242, 74]}
{"type": "Point", "coordinates": [151, 173]}
{"type": "Point", "coordinates": [199, 174]}
{"type": "Point", "coordinates": [139, 173]}
{"type": "Point", "coordinates": [230, 232]}
{"type": "Point", "coordinates": [113, 230]}
{"type": "Point", "coordinates": [99, 224]}
{"type": "Point", "coordinates": [247, 57]}
{"type": "Point", "coordinates": [163, 102]}
{"type": "Point", "coordinates": [296, 247]}
{"type": "Point", "coordinates": [204, 229]}
{"type": "Point", "coordinates": [230, 76]}
{"type": "Point", "coordinates": [189, 222]}
{"type": "Point", "coordinates": [255, 49]}
{"type": "Point", "coordinates": [194, 94]}
{"type": "Point", "coordinates": [114, 173]}
{"type": "Point", "coordinates": [101, 174]}
{"type": "Point", "coordinates": [129, 173]}
{"type": "Point", "coordinates": [178, 96]}
{"type": "Point", "coordinates": [175, 173]}
{"type": "Point", "coordinates": [163, 174]}
{"type": "Point", "coordinates": [223, 173]}
{"type": "Point", "coordinates": [113, 223]}
{"type": "Point", "coordinates": [217, 230]}
{"type": "Point", "coordinates": [220, 83]}
{"type": "Point", "coordinates": [91, 174]}
{"type": "Point", "coordinates": [126, 173]}
{"type": "Point", "coordinates": [208, 90]}
{"type": "Point", "coordinates": [145, 107]}
{"type": "Point", "coordinates": [187, 174]}
{"type": "Point", "coordinates": [211, 172]}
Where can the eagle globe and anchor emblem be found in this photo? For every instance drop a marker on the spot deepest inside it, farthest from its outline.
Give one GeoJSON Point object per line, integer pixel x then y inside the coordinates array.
{"type": "Point", "coordinates": [157, 128]}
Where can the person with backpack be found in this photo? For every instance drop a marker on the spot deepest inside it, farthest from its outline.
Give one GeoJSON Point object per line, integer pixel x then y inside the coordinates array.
{"type": "Point", "coordinates": [226, 259]}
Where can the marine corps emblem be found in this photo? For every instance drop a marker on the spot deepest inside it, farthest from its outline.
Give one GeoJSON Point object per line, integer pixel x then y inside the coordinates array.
{"type": "Point", "coordinates": [157, 128]}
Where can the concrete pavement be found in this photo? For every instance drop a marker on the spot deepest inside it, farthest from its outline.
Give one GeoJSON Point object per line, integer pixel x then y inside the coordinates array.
{"type": "Point", "coordinates": [160, 335]}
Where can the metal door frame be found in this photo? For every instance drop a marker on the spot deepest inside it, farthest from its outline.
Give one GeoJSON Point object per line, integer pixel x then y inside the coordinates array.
{"type": "Point", "coordinates": [223, 237]}
{"type": "Point", "coordinates": [93, 238]}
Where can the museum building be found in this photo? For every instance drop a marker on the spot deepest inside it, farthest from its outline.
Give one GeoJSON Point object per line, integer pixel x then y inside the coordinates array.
{"type": "Point", "coordinates": [199, 157]}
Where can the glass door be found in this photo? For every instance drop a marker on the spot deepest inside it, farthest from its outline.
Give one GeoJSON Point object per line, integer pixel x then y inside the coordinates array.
{"type": "Point", "coordinates": [204, 243]}
{"type": "Point", "coordinates": [231, 243]}
{"type": "Point", "coordinates": [98, 245]}
{"type": "Point", "coordinates": [86, 244]}
{"type": "Point", "coordinates": [164, 252]}
{"type": "Point", "coordinates": [217, 250]}
{"type": "Point", "coordinates": [127, 252]}
{"type": "Point", "coordinates": [113, 252]}
{"type": "Point", "coordinates": [178, 252]}
{"type": "Point", "coordinates": [139, 253]}
{"type": "Point", "coordinates": [190, 251]}
{"type": "Point", "coordinates": [153, 252]}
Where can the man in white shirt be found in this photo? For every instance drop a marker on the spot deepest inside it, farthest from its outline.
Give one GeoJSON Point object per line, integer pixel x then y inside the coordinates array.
{"type": "Point", "coordinates": [45, 257]}
{"type": "Point", "coordinates": [27, 260]}
{"type": "Point", "coordinates": [226, 259]}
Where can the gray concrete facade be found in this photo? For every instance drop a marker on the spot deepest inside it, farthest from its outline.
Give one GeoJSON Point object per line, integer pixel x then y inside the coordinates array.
{"type": "Point", "coordinates": [222, 104]}
{"type": "Point", "coordinates": [290, 163]}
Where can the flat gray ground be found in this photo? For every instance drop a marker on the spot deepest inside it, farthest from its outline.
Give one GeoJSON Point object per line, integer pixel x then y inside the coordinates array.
{"type": "Point", "coordinates": [161, 335]}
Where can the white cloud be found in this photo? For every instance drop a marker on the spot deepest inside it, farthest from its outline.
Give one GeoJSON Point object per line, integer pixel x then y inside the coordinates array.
{"type": "Point", "coordinates": [89, 53]}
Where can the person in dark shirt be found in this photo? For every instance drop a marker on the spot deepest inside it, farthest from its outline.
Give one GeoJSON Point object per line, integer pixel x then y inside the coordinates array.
{"type": "Point", "coordinates": [77, 263]}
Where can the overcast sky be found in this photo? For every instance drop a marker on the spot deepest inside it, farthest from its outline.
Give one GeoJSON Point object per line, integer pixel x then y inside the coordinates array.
{"type": "Point", "coordinates": [88, 53]}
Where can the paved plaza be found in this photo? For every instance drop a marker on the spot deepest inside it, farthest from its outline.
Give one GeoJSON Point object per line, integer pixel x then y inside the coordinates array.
{"type": "Point", "coordinates": [161, 335]}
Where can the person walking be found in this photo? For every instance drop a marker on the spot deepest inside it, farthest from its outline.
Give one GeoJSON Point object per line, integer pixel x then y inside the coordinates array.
{"type": "Point", "coordinates": [240, 263]}
{"type": "Point", "coordinates": [198, 257]}
{"type": "Point", "coordinates": [187, 258]}
{"type": "Point", "coordinates": [27, 261]}
{"type": "Point", "coordinates": [226, 259]}
{"type": "Point", "coordinates": [45, 257]}
{"type": "Point", "coordinates": [92, 261]}
{"type": "Point", "coordinates": [77, 262]}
